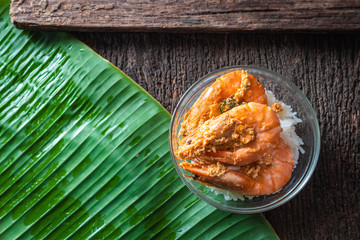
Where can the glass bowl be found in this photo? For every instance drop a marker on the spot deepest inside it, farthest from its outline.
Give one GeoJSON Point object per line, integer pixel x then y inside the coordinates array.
{"type": "Point", "coordinates": [284, 90]}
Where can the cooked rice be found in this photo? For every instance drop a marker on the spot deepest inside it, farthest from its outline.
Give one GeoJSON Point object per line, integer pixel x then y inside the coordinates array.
{"type": "Point", "coordinates": [288, 120]}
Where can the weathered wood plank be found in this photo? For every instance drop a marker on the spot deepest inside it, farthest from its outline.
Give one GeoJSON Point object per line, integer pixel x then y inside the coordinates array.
{"type": "Point", "coordinates": [186, 15]}
{"type": "Point", "coordinates": [325, 67]}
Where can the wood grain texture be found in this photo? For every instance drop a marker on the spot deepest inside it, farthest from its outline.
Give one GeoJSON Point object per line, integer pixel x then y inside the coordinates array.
{"type": "Point", "coordinates": [325, 67]}
{"type": "Point", "coordinates": [186, 15]}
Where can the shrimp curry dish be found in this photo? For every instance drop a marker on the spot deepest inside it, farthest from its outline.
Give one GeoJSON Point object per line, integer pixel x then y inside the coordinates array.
{"type": "Point", "coordinates": [230, 138]}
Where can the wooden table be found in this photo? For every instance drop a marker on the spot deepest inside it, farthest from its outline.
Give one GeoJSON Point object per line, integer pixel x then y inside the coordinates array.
{"type": "Point", "coordinates": [326, 67]}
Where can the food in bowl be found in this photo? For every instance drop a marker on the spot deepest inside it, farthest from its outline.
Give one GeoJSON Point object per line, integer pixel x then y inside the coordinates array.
{"type": "Point", "coordinates": [235, 141]}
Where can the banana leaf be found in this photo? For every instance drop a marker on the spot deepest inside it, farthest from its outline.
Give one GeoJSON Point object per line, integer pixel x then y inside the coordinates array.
{"type": "Point", "coordinates": [84, 151]}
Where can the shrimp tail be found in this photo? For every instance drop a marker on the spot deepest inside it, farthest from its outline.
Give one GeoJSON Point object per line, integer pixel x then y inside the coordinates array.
{"type": "Point", "coordinates": [229, 179]}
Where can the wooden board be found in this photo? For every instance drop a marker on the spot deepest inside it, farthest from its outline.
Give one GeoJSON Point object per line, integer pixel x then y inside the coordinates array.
{"type": "Point", "coordinates": [186, 15]}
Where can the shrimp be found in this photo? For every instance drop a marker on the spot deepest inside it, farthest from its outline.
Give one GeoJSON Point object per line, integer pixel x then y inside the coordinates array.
{"type": "Point", "coordinates": [227, 91]}
{"type": "Point", "coordinates": [237, 137]}
{"type": "Point", "coordinates": [260, 178]}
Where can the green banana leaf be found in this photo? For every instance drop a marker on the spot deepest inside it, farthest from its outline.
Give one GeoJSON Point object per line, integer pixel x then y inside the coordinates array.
{"type": "Point", "coordinates": [84, 151]}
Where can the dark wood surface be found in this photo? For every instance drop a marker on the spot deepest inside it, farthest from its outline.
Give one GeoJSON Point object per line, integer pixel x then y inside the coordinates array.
{"type": "Point", "coordinates": [187, 15]}
{"type": "Point", "coordinates": [325, 67]}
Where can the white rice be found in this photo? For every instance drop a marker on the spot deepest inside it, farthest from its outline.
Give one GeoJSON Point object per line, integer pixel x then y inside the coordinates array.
{"type": "Point", "coordinates": [288, 121]}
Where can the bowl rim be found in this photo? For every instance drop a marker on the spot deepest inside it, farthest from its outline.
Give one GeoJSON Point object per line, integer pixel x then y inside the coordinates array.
{"type": "Point", "coordinates": [300, 183]}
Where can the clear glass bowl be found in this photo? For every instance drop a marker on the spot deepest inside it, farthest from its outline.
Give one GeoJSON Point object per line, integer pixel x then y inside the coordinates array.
{"type": "Point", "coordinates": [284, 90]}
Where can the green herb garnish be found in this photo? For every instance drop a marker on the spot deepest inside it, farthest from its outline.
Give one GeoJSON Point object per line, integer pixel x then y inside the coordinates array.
{"type": "Point", "coordinates": [227, 104]}
{"type": "Point", "coordinates": [222, 106]}
{"type": "Point", "coordinates": [231, 102]}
